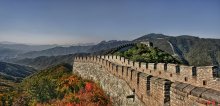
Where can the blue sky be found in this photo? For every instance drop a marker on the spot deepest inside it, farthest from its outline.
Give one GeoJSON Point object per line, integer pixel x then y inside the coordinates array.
{"type": "Point", "coordinates": [81, 21]}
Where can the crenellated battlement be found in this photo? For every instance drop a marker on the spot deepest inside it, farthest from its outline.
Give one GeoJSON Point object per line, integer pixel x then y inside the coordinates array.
{"type": "Point", "coordinates": [204, 72]}
{"type": "Point", "coordinates": [161, 83]}
{"type": "Point", "coordinates": [173, 72]}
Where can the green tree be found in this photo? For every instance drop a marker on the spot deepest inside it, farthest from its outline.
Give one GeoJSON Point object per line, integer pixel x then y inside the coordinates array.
{"type": "Point", "coordinates": [3, 101]}
{"type": "Point", "coordinates": [142, 53]}
{"type": "Point", "coordinates": [10, 100]}
{"type": "Point", "coordinates": [43, 90]}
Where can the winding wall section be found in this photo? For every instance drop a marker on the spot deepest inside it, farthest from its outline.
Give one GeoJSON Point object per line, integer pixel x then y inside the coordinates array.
{"type": "Point", "coordinates": [163, 84]}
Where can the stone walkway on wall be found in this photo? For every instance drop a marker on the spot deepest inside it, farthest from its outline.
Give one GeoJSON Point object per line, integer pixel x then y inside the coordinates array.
{"type": "Point", "coordinates": [113, 86]}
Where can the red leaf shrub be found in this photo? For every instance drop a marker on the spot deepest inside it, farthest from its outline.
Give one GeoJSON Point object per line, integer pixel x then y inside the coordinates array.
{"type": "Point", "coordinates": [88, 87]}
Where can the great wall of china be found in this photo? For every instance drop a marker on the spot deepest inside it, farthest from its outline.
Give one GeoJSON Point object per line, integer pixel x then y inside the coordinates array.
{"type": "Point", "coordinates": [163, 84]}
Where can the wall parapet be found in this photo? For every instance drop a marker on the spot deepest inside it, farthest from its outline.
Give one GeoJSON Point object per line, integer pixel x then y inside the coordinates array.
{"type": "Point", "coordinates": [151, 79]}
{"type": "Point", "coordinates": [200, 94]}
{"type": "Point", "coordinates": [204, 76]}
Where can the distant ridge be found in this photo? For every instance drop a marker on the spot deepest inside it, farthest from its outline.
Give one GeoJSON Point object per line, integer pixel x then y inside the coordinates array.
{"type": "Point", "coordinates": [11, 74]}
{"type": "Point", "coordinates": [193, 50]}
{"type": "Point", "coordinates": [104, 45]}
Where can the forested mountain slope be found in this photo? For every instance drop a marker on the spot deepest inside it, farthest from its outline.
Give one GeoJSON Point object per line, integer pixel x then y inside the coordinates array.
{"type": "Point", "coordinates": [10, 74]}
{"type": "Point", "coordinates": [196, 51]}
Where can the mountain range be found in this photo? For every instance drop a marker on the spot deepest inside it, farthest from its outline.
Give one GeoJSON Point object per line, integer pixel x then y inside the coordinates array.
{"type": "Point", "coordinates": [190, 50]}
{"type": "Point", "coordinates": [193, 50]}
{"type": "Point", "coordinates": [21, 61]}
{"type": "Point", "coordinates": [12, 50]}
{"type": "Point", "coordinates": [44, 62]}
{"type": "Point", "coordinates": [10, 74]}
{"type": "Point", "coordinates": [19, 58]}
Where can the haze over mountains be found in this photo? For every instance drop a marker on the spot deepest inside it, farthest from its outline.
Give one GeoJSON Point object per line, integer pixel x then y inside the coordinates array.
{"type": "Point", "coordinates": [189, 49]}
{"type": "Point", "coordinates": [18, 58]}
{"type": "Point", "coordinates": [11, 50]}
{"type": "Point", "coordinates": [17, 50]}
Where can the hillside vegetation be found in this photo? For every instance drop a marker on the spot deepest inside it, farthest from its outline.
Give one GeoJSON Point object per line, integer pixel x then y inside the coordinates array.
{"type": "Point", "coordinates": [56, 86]}
{"type": "Point", "coordinates": [143, 53]}
{"type": "Point", "coordinates": [11, 74]}
{"type": "Point", "coordinates": [196, 51]}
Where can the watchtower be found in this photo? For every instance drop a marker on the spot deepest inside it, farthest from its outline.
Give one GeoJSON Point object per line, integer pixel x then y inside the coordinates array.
{"type": "Point", "coordinates": [147, 43]}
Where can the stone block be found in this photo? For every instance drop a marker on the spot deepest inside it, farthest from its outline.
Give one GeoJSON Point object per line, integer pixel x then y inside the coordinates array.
{"type": "Point", "coordinates": [122, 59]}
{"type": "Point", "coordinates": [172, 68]}
{"type": "Point", "coordinates": [198, 91]}
{"type": "Point", "coordinates": [126, 61]}
{"type": "Point", "coordinates": [118, 58]}
{"type": "Point", "coordinates": [181, 86]}
{"type": "Point", "coordinates": [144, 65]}
{"type": "Point", "coordinates": [162, 66]}
{"type": "Point", "coordinates": [186, 70]}
{"type": "Point", "coordinates": [151, 66]}
{"type": "Point", "coordinates": [188, 89]}
{"type": "Point", "coordinates": [131, 63]}
{"type": "Point", "coordinates": [205, 73]}
{"type": "Point", "coordinates": [137, 64]}
{"type": "Point", "coordinates": [144, 75]}
{"type": "Point", "coordinates": [173, 85]}
{"type": "Point", "coordinates": [212, 95]}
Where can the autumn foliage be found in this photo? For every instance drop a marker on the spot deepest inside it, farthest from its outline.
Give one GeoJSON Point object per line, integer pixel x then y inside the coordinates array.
{"type": "Point", "coordinates": [79, 92]}
{"type": "Point", "coordinates": [56, 86]}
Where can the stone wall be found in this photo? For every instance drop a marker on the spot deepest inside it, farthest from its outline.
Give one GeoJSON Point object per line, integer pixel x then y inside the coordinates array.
{"type": "Point", "coordinates": [183, 94]}
{"type": "Point", "coordinates": [162, 84]}
{"type": "Point", "coordinates": [205, 76]}
{"type": "Point", "coordinates": [116, 88]}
